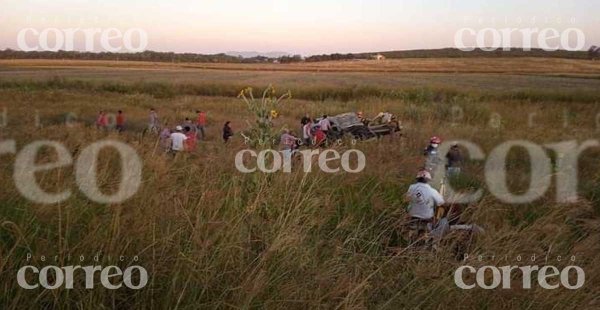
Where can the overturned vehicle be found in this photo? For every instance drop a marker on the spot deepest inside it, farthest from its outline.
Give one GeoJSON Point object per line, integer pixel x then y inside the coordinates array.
{"type": "Point", "coordinates": [362, 129]}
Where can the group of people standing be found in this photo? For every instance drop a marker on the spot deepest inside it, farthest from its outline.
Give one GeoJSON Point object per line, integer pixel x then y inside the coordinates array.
{"type": "Point", "coordinates": [315, 133]}
{"type": "Point", "coordinates": [102, 121]}
{"type": "Point", "coordinates": [184, 137]}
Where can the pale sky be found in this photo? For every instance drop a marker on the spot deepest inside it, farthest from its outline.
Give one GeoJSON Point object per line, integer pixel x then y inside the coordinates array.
{"type": "Point", "coordinates": [302, 26]}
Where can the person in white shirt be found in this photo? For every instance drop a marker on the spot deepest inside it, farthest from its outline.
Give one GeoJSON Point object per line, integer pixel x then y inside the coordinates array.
{"type": "Point", "coordinates": [177, 140]}
{"type": "Point", "coordinates": [325, 124]}
{"type": "Point", "coordinates": [422, 200]}
{"type": "Point", "coordinates": [306, 134]}
{"type": "Point", "coordinates": [288, 143]}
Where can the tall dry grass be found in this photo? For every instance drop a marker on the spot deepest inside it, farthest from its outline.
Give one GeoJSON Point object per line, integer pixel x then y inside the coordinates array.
{"type": "Point", "coordinates": [211, 237]}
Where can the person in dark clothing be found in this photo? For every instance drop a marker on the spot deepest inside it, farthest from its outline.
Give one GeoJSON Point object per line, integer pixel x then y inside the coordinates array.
{"type": "Point", "coordinates": [454, 160]}
{"type": "Point", "coordinates": [305, 119]}
{"type": "Point", "coordinates": [227, 132]}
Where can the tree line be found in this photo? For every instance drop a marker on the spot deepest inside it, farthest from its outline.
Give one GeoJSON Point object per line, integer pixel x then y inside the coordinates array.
{"type": "Point", "coordinates": [141, 56]}
{"type": "Point", "coordinates": [152, 56]}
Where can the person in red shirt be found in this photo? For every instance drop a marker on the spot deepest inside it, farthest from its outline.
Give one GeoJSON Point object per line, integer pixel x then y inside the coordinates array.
{"type": "Point", "coordinates": [190, 142]}
{"type": "Point", "coordinates": [319, 137]}
{"type": "Point", "coordinates": [101, 121]}
{"type": "Point", "coordinates": [120, 121]}
{"type": "Point", "coordinates": [201, 122]}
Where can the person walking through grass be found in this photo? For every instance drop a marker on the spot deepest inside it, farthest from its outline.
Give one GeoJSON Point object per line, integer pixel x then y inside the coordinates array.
{"type": "Point", "coordinates": [306, 133]}
{"type": "Point", "coordinates": [288, 145]}
{"type": "Point", "coordinates": [305, 119]}
{"type": "Point", "coordinates": [164, 137]}
{"type": "Point", "coordinates": [431, 153]}
{"type": "Point", "coordinates": [120, 121]}
{"type": "Point", "coordinates": [178, 140]}
{"type": "Point", "coordinates": [101, 121]}
{"type": "Point", "coordinates": [200, 123]}
{"type": "Point", "coordinates": [188, 123]}
{"type": "Point", "coordinates": [153, 122]}
{"type": "Point", "coordinates": [454, 161]}
{"type": "Point", "coordinates": [190, 142]}
{"type": "Point", "coordinates": [227, 131]}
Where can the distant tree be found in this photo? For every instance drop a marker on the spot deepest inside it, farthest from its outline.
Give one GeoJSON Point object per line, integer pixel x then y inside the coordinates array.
{"type": "Point", "coordinates": [315, 58]}
{"type": "Point", "coordinates": [290, 59]}
{"type": "Point", "coordinates": [592, 53]}
{"type": "Point", "coordinates": [141, 56]}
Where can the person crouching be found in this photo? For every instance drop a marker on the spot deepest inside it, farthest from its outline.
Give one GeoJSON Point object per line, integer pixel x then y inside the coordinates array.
{"type": "Point", "coordinates": [422, 199]}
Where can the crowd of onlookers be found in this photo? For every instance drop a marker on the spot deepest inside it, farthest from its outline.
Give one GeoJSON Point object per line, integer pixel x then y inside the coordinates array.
{"type": "Point", "coordinates": [181, 137]}
{"type": "Point", "coordinates": [422, 198]}
{"type": "Point", "coordinates": [186, 135]}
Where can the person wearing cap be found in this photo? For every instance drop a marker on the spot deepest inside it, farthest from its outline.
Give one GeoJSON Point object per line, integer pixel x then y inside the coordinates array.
{"type": "Point", "coordinates": [431, 154]}
{"type": "Point", "coordinates": [432, 148]}
{"type": "Point", "coordinates": [422, 200]}
{"type": "Point", "coordinates": [178, 140]}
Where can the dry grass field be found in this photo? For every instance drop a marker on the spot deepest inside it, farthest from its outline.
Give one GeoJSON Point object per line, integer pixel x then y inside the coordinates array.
{"type": "Point", "coordinates": [430, 65]}
{"type": "Point", "coordinates": [525, 78]}
{"type": "Point", "coordinates": [212, 237]}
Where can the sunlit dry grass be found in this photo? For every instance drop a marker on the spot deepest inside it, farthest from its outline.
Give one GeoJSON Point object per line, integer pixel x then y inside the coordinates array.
{"type": "Point", "coordinates": [431, 65]}
{"type": "Point", "coordinates": [212, 237]}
